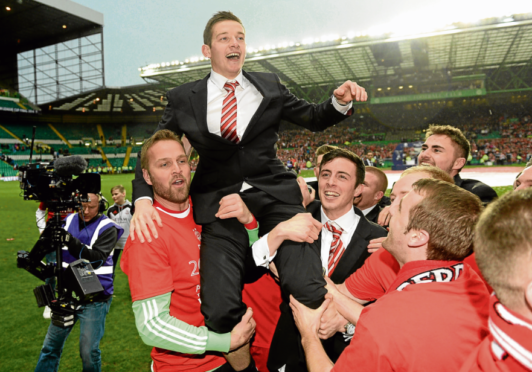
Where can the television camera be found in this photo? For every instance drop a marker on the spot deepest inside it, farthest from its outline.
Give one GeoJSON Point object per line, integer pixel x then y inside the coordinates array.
{"type": "Point", "coordinates": [54, 184]}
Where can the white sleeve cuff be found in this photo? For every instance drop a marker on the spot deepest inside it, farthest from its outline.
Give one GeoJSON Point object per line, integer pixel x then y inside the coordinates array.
{"type": "Point", "coordinates": [261, 252]}
{"type": "Point", "coordinates": [144, 197]}
{"type": "Point", "coordinates": [339, 107]}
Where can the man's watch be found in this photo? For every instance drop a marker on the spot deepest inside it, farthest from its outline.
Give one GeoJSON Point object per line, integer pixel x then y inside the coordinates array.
{"type": "Point", "coordinates": [349, 329]}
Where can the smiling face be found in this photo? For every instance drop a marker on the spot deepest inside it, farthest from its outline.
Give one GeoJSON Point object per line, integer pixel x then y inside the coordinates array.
{"type": "Point", "coordinates": [440, 151]}
{"type": "Point", "coordinates": [337, 186]}
{"type": "Point", "coordinates": [169, 174]}
{"type": "Point", "coordinates": [399, 240]}
{"type": "Point", "coordinates": [228, 48]}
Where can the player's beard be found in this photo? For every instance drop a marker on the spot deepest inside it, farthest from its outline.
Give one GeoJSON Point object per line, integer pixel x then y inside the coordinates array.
{"type": "Point", "coordinates": [170, 193]}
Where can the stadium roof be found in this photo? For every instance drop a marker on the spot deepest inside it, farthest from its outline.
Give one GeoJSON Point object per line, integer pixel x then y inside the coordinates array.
{"type": "Point", "coordinates": [31, 24]}
{"type": "Point", "coordinates": [462, 49]}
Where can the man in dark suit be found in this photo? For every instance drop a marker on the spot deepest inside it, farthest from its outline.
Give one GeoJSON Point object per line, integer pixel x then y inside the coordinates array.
{"type": "Point", "coordinates": [320, 151]}
{"type": "Point", "coordinates": [447, 148]}
{"type": "Point", "coordinates": [232, 118]}
{"type": "Point", "coordinates": [341, 246]}
{"type": "Point", "coordinates": [370, 200]}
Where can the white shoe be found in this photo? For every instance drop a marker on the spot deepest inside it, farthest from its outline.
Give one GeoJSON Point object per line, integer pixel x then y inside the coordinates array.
{"type": "Point", "coordinates": [47, 313]}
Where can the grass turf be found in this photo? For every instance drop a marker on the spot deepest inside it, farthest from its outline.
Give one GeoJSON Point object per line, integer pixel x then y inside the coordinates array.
{"type": "Point", "coordinates": [23, 327]}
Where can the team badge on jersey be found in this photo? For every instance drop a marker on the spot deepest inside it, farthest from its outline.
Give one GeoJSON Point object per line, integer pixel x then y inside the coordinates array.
{"type": "Point", "coordinates": [198, 234]}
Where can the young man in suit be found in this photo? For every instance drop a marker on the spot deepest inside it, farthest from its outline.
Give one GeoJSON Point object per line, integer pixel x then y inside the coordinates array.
{"type": "Point", "coordinates": [231, 118]}
{"type": "Point", "coordinates": [369, 200]}
{"type": "Point", "coordinates": [341, 247]}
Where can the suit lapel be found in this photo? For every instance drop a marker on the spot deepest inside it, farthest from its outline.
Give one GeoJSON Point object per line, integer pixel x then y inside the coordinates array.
{"type": "Point", "coordinates": [355, 249]}
{"type": "Point", "coordinates": [266, 98]}
{"type": "Point", "coordinates": [198, 100]}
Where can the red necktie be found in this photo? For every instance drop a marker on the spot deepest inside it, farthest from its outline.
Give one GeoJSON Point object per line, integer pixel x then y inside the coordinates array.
{"type": "Point", "coordinates": [337, 247]}
{"type": "Point", "coordinates": [228, 123]}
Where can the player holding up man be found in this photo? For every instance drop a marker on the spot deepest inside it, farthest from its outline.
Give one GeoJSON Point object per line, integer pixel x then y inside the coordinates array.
{"type": "Point", "coordinates": [164, 273]}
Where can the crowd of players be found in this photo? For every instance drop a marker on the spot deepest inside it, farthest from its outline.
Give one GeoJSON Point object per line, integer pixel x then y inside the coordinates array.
{"type": "Point", "coordinates": [291, 283]}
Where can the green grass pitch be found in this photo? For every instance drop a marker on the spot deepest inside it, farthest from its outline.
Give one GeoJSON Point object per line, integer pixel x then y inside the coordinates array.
{"type": "Point", "coordinates": [23, 327]}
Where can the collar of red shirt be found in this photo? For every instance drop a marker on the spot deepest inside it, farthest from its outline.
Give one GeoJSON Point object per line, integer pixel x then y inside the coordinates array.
{"type": "Point", "coordinates": [511, 334]}
{"type": "Point", "coordinates": [426, 271]}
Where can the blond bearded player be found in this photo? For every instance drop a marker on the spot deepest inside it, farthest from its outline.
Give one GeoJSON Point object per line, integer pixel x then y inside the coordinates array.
{"type": "Point", "coordinates": [164, 274]}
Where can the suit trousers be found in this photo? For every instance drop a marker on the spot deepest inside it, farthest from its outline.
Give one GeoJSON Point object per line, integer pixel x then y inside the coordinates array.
{"type": "Point", "coordinates": [225, 251]}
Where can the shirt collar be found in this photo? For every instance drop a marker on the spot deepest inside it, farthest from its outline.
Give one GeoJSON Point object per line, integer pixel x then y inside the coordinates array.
{"type": "Point", "coordinates": [346, 222]}
{"type": "Point", "coordinates": [220, 80]}
{"type": "Point", "coordinates": [367, 210]}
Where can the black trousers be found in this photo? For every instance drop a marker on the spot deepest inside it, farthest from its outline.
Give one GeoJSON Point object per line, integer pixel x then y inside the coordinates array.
{"type": "Point", "coordinates": [225, 251]}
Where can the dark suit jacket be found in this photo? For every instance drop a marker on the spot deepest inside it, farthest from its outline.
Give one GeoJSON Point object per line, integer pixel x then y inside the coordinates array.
{"type": "Point", "coordinates": [286, 345]}
{"type": "Point", "coordinates": [373, 215]}
{"type": "Point", "coordinates": [224, 165]}
{"type": "Point", "coordinates": [480, 189]}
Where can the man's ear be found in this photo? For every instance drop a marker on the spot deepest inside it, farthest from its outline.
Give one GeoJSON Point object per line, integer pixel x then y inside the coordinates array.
{"type": "Point", "coordinates": [528, 296]}
{"type": "Point", "coordinates": [146, 176]}
{"type": "Point", "coordinates": [418, 238]}
{"type": "Point", "coordinates": [206, 50]}
{"type": "Point", "coordinates": [459, 163]}
{"type": "Point", "coordinates": [378, 196]}
{"type": "Point", "coordinates": [358, 190]}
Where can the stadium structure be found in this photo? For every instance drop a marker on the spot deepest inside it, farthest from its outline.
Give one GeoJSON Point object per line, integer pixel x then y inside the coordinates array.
{"type": "Point", "coordinates": [440, 76]}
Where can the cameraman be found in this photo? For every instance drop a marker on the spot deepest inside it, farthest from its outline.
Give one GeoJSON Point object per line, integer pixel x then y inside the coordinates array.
{"type": "Point", "coordinates": [92, 236]}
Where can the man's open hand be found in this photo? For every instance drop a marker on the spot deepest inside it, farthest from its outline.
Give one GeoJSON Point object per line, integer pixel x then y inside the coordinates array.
{"type": "Point", "coordinates": [232, 206]}
{"type": "Point", "coordinates": [243, 331]}
{"type": "Point", "coordinates": [350, 91]}
{"type": "Point", "coordinates": [307, 320]}
{"type": "Point", "coordinates": [142, 219]}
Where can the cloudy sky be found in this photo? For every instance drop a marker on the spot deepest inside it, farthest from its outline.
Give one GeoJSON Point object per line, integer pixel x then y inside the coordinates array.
{"type": "Point", "coordinates": [140, 32]}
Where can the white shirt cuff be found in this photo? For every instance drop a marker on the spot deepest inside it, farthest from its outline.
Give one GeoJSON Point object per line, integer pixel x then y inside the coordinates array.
{"type": "Point", "coordinates": [261, 252]}
{"type": "Point", "coordinates": [144, 197]}
{"type": "Point", "coordinates": [339, 107]}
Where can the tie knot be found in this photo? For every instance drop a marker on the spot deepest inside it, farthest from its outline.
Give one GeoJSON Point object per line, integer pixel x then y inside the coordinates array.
{"type": "Point", "coordinates": [230, 87]}
{"type": "Point", "coordinates": [333, 227]}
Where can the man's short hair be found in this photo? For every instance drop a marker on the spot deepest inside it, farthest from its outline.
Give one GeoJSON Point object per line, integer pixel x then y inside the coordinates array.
{"type": "Point", "coordinates": [449, 214]}
{"type": "Point", "coordinates": [454, 134]}
{"type": "Point", "coordinates": [503, 244]}
{"type": "Point", "coordinates": [218, 17]}
{"type": "Point", "coordinates": [349, 155]}
{"type": "Point", "coordinates": [161, 135]}
{"type": "Point", "coordinates": [120, 189]}
{"type": "Point", "coordinates": [324, 149]}
{"type": "Point", "coordinates": [381, 176]}
{"type": "Point", "coordinates": [434, 172]}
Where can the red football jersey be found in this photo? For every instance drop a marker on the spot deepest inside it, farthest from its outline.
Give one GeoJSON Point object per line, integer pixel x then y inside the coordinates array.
{"type": "Point", "coordinates": [371, 281]}
{"type": "Point", "coordinates": [430, 319]}
{"type": "Point", "coordinates": [170, 263]}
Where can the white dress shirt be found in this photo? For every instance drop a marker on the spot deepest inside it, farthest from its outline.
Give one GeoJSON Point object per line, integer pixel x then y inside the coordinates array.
{"type": "Point", "coordinates": [348, 222]}
{"type": "Point", "coordinates": [367, 210]}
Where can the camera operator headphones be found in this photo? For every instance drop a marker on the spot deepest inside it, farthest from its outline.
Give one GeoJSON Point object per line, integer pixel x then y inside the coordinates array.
{"type": "Point", "coordinates": [103, 204]}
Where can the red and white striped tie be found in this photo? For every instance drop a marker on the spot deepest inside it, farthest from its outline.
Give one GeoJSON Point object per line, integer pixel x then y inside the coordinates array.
{"type": "Point", "coordinates": [228, 123]}
{"type": "Point", "coordinates": [337, 247]}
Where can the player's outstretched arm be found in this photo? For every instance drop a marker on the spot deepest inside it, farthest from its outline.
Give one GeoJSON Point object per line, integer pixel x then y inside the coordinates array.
{"type": "Point", "coordinates": [348, 306]}
{"type": "Point", "coordinates": [158, 328]}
